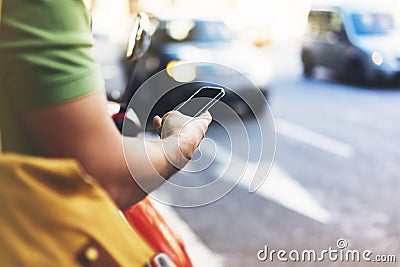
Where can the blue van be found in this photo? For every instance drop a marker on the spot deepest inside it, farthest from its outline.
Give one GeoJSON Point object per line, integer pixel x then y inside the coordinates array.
{"type": "Point", "coordinates": [360, 42]}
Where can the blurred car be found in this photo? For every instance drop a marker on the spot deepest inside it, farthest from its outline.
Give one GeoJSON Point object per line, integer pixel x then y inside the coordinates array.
{"type": "Point", "coordinates": [212, 54]}
{"type": "Point", "coordinates": [360, 42]}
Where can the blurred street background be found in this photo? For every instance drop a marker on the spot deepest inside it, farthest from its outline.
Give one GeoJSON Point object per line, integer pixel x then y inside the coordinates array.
{"type": "Point", "coordinates": [336, 172]}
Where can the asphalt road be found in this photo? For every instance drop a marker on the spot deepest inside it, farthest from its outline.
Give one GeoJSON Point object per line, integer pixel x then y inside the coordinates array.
{"type": "Point", "coordinates": [335, 175]}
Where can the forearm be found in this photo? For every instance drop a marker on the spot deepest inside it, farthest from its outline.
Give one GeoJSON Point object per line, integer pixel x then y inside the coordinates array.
{"type": "Point", "coordinates": [133, 169]}
{"type": "Point", "coordinates": [138, 167]}
{"type": "Point", "coordinates": [148, 161]}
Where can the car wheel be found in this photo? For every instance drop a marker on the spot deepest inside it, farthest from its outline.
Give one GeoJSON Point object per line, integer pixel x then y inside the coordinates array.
{"type": "Point", "coordinates": [308, 66]}
{"type": "Point", "coordinates": [308, 70]}
{"type": "Point", "coordinates": [355, 72]}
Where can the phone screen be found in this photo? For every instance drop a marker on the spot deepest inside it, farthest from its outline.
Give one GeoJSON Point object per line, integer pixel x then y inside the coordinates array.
{"type": "Point", "coordinates": [201, 101]}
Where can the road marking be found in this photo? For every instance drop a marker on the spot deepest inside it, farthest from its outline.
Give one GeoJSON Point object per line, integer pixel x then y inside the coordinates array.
{"type": "Point", "coordinates": [278, 187]}
{"type": "Point", "coordinates": [283, 189]}
{"type": "Point", "coordinates": [312, 138]}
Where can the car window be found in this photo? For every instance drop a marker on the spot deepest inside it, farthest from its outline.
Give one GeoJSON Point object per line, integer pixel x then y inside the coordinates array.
{"type": "Point", "coordinates": [199, 31]}
{"type": "Point", "coordinates": [365, 24]}
{"type": "Point", "coordinates": [316, 23]}
{"type": "Point", "coordinates": [324, 25]}
{"type": "Point", "coordinates": [210, 31]}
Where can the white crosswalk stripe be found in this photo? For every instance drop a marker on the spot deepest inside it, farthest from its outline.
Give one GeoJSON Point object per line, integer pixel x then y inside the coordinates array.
{"type": "Point", "coordinates": [278, 187]}
{"type": "Point", "coordinates": [312, 138]}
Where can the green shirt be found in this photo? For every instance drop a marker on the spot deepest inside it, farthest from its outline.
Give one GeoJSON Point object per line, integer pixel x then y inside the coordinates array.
{"type": "Point", "coordinates": [45, 59]}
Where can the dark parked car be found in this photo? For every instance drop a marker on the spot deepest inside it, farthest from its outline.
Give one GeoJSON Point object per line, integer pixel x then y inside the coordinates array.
{"type": "Point", "coordinates": [359, 41]}
{"type": "Point", "coordinates": [211, 55]}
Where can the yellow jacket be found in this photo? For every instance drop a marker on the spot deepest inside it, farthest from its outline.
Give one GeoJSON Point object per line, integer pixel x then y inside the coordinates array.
{"type": "Point", "coordinates": [53, 214]}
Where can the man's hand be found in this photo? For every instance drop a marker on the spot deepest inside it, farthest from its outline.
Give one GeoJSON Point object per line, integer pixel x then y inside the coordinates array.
{"type": "Point", "coordinates": [183, 132]}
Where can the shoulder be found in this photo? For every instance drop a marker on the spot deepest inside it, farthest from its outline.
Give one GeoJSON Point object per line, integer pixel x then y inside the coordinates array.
{"type": "Point", "coordinates": [48, 46]}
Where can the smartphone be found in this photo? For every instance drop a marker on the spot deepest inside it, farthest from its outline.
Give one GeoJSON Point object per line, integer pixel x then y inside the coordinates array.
{"type": "Point", "coordinates": [201, 101]}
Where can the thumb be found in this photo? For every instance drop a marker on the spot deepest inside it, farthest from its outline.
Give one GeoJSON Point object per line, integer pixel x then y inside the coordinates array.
{"type": "Point", "coordinates": [206, 115]}
{"type": "Point", "coordinates": [157, 124]}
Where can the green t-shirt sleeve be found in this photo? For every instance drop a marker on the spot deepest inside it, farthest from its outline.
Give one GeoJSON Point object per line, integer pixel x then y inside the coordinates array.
{"type": "Point", "coordinates": [46, 46]}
